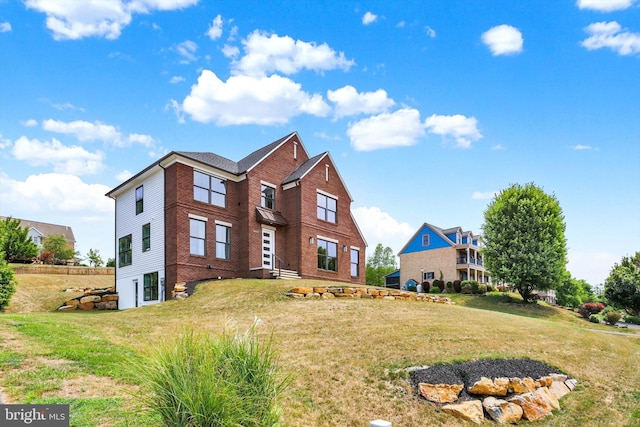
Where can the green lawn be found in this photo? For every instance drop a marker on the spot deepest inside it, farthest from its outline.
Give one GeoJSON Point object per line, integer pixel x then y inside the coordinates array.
{"type": "Point", "coordinates": [344, 355]}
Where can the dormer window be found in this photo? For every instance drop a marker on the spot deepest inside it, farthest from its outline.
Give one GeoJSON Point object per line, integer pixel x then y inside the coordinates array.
{"type": "Point", "coordinates": [268, 197]}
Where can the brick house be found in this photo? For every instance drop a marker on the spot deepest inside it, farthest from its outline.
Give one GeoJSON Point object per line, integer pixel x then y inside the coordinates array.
{"type": "Point", "coordinates": [452, 252]}
{"type": "Point", "coordinates": [194, 216]}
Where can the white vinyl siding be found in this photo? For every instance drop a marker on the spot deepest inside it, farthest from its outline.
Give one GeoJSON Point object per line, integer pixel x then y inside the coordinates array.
{"type": "Point", "coordinates": [127, 222]}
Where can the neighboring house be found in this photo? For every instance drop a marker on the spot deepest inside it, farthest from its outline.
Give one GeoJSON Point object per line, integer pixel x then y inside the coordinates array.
{"type": "Point", "coordinates": [392, 280]}
{"type": "Point", "coordinates": [193, 216]}
{"type": "Point", "coordinates": [448, 254]}
{"type": "Point", "coordinates": [548, 296]}
{"type": "Point", "coordinates": [38, 231]}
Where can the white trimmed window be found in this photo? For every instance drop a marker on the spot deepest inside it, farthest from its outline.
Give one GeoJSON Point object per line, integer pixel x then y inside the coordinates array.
{"type": "Point", "coordinates": [327, 208]}
{"type": "Point", "coordinates": [223, 241]}
{"type": "Point", "coordinates": [209, 189]}
{"type": "Point", "coordinates": [197, 236]}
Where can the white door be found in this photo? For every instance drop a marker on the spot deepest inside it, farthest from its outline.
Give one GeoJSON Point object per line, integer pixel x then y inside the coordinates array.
{"type": "Point", "coordinates": [268, 247]}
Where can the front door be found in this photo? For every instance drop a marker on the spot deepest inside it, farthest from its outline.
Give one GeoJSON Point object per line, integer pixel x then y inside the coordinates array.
{"type": "Point", "coordinates": [268, 247]}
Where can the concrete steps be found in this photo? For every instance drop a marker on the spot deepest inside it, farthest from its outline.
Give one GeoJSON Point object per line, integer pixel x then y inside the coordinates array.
{"type": "Point", "coordinates": [285, 274]}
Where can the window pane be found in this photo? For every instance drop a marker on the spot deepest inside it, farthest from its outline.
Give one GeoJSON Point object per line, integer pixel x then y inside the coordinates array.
{"type": "Point", "coordinates": [332, 249]}
{"type": "Point", "coordinates": [197, 228]}
{"type": "Point", "coordinates": [331, 217]}
{"type": "Point", "coordinates": [197, 246]}
{"type": "Point", "coordinates": [321, 213]}
{"type": "Point", "coordinates": [201, 194]}
{"type": "Point", "coordinates": [354, 256]}
{"type": "Point", "coordinates": [322, 200]}
{"type": "Point", "coordinates": [218, 185]}
{"type": "Point", "coordinates": [218, 199]}
{"type": "Point", "coordinates": [200, 179]}
{"type": "Point", "coordinates": [331, 204]}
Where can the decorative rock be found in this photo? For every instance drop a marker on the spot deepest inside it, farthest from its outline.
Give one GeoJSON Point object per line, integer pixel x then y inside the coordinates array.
{"type": "Point", "coordinates": [558, 377]}
{"type": "Point", "coordinates": [383, 293]}
{"type": "Point", "coordinates": [302, 290]}
{"type": "Point", "coordinates": [72, 302]}
{"type": "Point", "coordinates": [100, 306]}
{"type": "Point", "coordinates": [549, 397]}
{"type": "Point", "coordinates": [180, 287]}
{"type": "Point", "coordinates": [544, 381]}
{"type": "Point", "coordinates": [294, 295]}
{"type": "Point", "coordinates": [110, 297]}
{"type": "Point", "coordinates": [91, 298]}
{"type": "Point", "coordinates": [487, 387]}
{"type": "Point", "coordinates": [328, 295]}
{"type": "Point", "coordinates": [470, 410]}
{"type": "Point", "coordinates": [112, 305]}
{"type": "Point", "coordinates": [571, 383]}
{"type": "Point", "coordinates": [502, 411]}
{"type": "Point", "coordinates": [312, 295]}
{"type": "Point", "coordinates": [440, 393]}
{"type": "Point", "coordinates": [389, 297]}
{"type": "Point", "coordinates": [559, 389]}
{"type": "Point", "coordinates": [320, 290]}
{"type": "Point", "coordinates": [343, 295]}
{"type": "Point", "coordinates": [85, 306]}
{"type": "Point", "coordinates": [349, 291]}
{"type": "Point", "coordinates": [374, 292]}
{"type": "Point", "coordinates": [336, 290]}
{"type": "Point", "coordinates": [534, 407]}
{"type": "Point", "coordinates": [67, 307]}
{"type": "Point", "coordinates": [522, 385]}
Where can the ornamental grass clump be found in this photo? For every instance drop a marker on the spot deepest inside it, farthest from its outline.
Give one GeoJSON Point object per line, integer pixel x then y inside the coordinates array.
{"type": "Point", "coordinates": [230, 380]}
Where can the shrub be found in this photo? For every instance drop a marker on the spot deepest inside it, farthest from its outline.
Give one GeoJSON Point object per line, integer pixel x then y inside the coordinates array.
{"type": "Point", "coordinates": [475, 287]}
{"type": "Point", "coordinates": [457, 286]}
{"type": "Point", "coordinates": [7, 284]}
{"type": "Point", "coordinates": [425, 286]}
{"type": "Point", "coordinates": [439, 283]}
{"type": "Point", "coordinates": [201, 381]}
{"type": "Point", "coordinates": [449, 288]}
{"type": "Point", "coordinates": [590, 308]}
{"type": "Point", "coordinates": [482, 289]}
{"type": "Point", "coordinates": [612, 317]}
{"type": "Point", "coordinates": [594, 318]}
{"type": "Point", "coordinates": [632, 319]}
{"type": "Point", "coordinates": [491, 288]}
{"type": "Point", "coordinates": [434, 290]}
{"type": "Point", "coordinates": [412, 288]}
{"type": "Point", "coordinates": [465, 287]}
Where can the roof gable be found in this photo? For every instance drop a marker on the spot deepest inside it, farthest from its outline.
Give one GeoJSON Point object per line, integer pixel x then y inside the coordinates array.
{"type": "Point", "coordinates": [437, 240]}
{"type": "Point", "coordinates": [45, 229]}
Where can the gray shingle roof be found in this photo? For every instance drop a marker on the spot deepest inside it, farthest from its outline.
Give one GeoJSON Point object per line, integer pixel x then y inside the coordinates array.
{"type": "Point", "coordinates": [304, 168]}
{"type": "Point", "coordinates": [227, 165]}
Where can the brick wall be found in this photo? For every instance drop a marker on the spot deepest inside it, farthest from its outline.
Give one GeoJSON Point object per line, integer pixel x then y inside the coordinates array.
{"type": "Point", "coordinates": [435, 260]}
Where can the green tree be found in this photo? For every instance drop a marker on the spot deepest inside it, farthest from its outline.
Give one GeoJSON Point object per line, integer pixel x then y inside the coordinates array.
{"type": "Point", "coordinates": [571, 292]}
{"type": "Point", "coordinates": [7, 283]}
{"type": "Point", "coordinates": [622, 287]}
{"type": "Point", "coordinates": [15, 241]}
{"type": "Point", "coordinates": [56, 244]}
{"type": "Point", "coordinates": [524, 239]}
{"type": "Point", "coordinates": [111, 262]}
{"type": "Point", "coordinates": [381, 263]}
{"type": "Point", "coordinates": [94, 258]}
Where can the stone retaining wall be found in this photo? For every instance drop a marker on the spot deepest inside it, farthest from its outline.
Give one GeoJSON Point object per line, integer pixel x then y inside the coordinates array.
{"type": "Point", "coordinates": [358, 292]}
{"type": "Point", "coordinates": [93, 299]}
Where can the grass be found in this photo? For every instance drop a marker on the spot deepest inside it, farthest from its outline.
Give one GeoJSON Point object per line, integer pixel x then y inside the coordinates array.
{"type": "Point", "coordinates": [343, 355]}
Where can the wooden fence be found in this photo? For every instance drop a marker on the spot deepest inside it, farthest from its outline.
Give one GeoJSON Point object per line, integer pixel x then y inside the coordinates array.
{"type": "Point", "coordinates": [61, 269]}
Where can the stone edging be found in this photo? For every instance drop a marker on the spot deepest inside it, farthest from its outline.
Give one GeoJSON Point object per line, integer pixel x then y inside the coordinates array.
{"type": "Point", "coordinates": [371, 293]}
{"type": "Point", "coordinates": [93, 299]}
{"type": "Point", "coordinates": [523, 398]}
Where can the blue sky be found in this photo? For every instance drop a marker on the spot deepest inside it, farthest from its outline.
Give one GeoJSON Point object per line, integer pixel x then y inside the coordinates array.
{"type": "Point", "coordinates": [428, 108]}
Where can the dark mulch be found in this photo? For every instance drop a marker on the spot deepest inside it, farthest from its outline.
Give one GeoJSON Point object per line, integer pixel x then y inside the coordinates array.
{"type": "Point", "coordinates": [468, 373]}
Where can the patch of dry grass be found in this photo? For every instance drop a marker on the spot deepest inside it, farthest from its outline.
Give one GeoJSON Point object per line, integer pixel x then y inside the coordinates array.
{"type": "Point", "coordinates": [345, 355]}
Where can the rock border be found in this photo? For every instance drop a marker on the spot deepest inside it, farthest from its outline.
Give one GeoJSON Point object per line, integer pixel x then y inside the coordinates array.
{"type": "Point", "coordinates": [364, 293]}
{"type": "Point", "coordinates": [92, 299]}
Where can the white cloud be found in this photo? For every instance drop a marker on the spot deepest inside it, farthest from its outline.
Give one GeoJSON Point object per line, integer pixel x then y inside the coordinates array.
{"type": "Point", "coordinates": [380, 227]}
{"type": "Point", "coordinates": [503, 40]}
{"type": "Point", "coordinates": [604, 5]}
{"type": "Point", "coordinates": [215, 30]}
{"type": "Point", "coordinates": [369, 18]}
{"type": "Point", "coordinates": [582, 147]}
{"type": "Point", "coordinates": [249, 100]}
{"type": "Point", "coordinates": [4, 142]}
{"type": "Point", "coordinates": [265, 54]}
{"type": "Point", "coordinates": [610, 35]}
{"type": "Point", "coordinates": [83, 130]}
{"type": "Point", "coordinates": [498, 147]}
{"type": "Point", "coordinates": [350, 103]}
{"type": "Point", "coordinates": [176, 79]}
{"type": "Point", "coordinates": [463, 129]}
{"type": "Point", "coordinates": [430, 31]}
{"type": "Point", "coordinates": [30, 123]}
{"type": "Point", "coordinates": [187, 50]}
{"type": "Point", "coordinates": [230, 51]}
{"type": "Point", "coordinates": [5, 27]}
{"type": "Point", "coordinates": [73, 160]}
{"type": "Point", "coordinates": [479, 195]}
{"type": "Point", "coordinates": [73, 20]}
{"type": "Point", "coordinates": [401, 128]}
{"type": "Point", "coordinates": [96, 131]}
{"type": "Point", "coordinates": [123, 175]}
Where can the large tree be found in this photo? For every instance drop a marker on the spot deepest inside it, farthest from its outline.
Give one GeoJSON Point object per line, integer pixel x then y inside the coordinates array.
{"type": "Point", "coordinates": [56, 244]}
{"type": "Point", "coordinates": [381, 263]}
{"type": "Point", "coordinates": [524, 242]}
{"type": "Point", "coordinates": [15, 241]}
{"type": "Point", "coordinates": [622, 287]}
{"type": "Point", "coordinates": [571, 292]}
{"type": "Point", "coordinates": [7, 283]}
